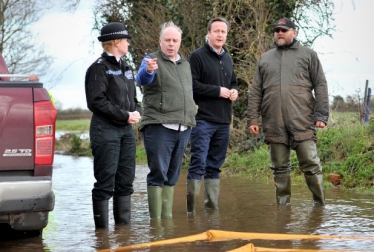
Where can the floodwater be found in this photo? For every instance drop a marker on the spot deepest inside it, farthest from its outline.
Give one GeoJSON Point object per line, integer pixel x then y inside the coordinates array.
{"type": "Point", "coordinates": [246, 205]}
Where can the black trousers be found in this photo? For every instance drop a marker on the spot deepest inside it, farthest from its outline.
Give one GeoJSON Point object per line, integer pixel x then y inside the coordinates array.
{"type": "Point", "coordinates": [114, 149]}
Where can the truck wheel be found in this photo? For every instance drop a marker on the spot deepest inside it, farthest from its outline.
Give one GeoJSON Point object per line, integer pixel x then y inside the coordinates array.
{"type": "Point", "coordinates": [33, 233]}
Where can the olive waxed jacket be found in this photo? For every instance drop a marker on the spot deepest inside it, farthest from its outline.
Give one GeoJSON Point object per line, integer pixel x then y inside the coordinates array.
{"type": "Point", "coordinates": [282, 94]}
{"type": "Point", "coordinates": [168, 99]}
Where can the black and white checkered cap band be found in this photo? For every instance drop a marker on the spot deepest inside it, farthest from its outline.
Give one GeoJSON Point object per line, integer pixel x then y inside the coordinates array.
{"type": "Point", "coordinates": [124, 32]}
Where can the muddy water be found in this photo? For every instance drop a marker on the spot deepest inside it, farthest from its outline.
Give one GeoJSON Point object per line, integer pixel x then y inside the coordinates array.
{"type": "Point", "coordinates": [245, 206]}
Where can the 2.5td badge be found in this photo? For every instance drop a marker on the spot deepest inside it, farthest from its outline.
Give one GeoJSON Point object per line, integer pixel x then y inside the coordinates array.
{"type": "Point", "coordinates": [17, 152]}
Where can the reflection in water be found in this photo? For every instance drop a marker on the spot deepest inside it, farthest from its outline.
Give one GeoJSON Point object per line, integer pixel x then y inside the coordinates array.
{"type": "Point", "coordinates": [246, 205]}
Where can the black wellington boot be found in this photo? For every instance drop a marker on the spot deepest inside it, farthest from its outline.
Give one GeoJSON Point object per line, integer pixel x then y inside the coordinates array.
{"type": "Point", "coordinates": [122, 209]}
{"type": "Point", "coordinates": [100, 212]}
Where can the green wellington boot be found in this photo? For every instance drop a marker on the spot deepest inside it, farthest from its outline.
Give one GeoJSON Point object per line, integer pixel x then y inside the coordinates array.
{"type": "Point", "coordinates": [281, 166]}
{"type": "Point", "coordinates": [211, 187]}
{"type": "Point", "coordinates": [315, 184]}
{"type": "Point", "coordinates": [167, 201]}
{"type": "Point", "coordinates": [282, 188]}
{"type": "Point", "coordinates": [310, 165]}
{"type": "Point", "coordinates": [193, 192]}
{"type": "Point", "coordinates": [154, 201]}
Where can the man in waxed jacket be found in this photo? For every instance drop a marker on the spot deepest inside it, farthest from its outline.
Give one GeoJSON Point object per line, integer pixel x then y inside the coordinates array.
{"type": "Point", "coordinates": [282, 94]}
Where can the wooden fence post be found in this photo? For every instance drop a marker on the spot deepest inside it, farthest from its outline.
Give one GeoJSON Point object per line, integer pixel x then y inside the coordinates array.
{"type": "Point", "coordinates": [363, 107]}
{"type": "Point", "coordinates": [367, 112]}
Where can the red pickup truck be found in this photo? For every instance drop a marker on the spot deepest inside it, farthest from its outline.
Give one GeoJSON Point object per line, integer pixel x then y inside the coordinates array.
{"type": "Point", "coordinates": [27, 140]}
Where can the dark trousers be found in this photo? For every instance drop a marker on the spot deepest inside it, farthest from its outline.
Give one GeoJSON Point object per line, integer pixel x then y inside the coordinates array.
{"type": "Point", "coordinates": [113, 148]}
{"type": "Point", "coordinates": [209, 142]}
{"type": "Point", "coordinates": [165, 149]}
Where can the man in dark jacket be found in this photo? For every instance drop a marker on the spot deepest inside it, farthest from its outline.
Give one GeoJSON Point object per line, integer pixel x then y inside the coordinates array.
{"type": "Point", "coordinates": [214, 89]}
{"type": "Point", "coordinates": [281, 92]}
{"type": "Point", "coordinates": [168, 115]}
{"type": "Point", "coordinates": [111, 96]}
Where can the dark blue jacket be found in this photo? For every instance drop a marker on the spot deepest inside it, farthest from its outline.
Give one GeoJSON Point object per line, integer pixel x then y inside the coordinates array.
{"type": "Point", "coordinates": [110, 90]}
{"type": "Point", "coordinates": [210, 72]}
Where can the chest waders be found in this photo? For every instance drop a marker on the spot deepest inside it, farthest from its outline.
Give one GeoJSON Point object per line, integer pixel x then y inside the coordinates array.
{"type": "Point", "coordinates": [311, 167]}
{"type": "Point", "coordinates": [281, 166]}
{"type": "Point", "coordinates": [309, 164]}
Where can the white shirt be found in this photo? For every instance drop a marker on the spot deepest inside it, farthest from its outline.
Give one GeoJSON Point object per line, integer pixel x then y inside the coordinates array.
{"type": "Point", "coordinates": [175, 126]}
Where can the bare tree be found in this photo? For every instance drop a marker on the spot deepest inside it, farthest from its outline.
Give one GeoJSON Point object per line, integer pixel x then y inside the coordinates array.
{"type": "Point", "coordinates": [70, 5]}
{"type": "Point", "coordinates": [314, 18]}
{"type": "Point", "coordinates": [251, 25]}
{"type": "Point", "coordinates": [20, 47]}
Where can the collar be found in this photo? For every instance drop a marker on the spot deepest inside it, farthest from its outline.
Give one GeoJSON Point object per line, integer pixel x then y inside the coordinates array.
{"type": "Point", "coordinates": [177, 58]}
{"type": "Point", "coordinates": [288, 46]}
{"type": "Point", "coordinates": [216, 51]}
{"type": "Point", "coordinates": [118, 59]}
{"type": "Point", "coordinates": [114, 60]}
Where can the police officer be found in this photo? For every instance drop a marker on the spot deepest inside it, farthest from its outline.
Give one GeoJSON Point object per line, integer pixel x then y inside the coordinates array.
{"type": "Point", "coordinates": [111, 96]}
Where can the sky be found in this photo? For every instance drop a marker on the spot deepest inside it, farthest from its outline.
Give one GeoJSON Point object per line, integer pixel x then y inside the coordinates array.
{"type": "Point", "coordinates": [347, 58]}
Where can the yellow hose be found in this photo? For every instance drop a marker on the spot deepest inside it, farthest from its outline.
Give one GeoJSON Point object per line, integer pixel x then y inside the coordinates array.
{"type": "Point", "coordinates": [218, 235]}
{"type": "Point", "coordinates": [251, 248]}
{"type": "Point", "coordinates": [191, 238]}
{"type": "Point", "coordinates": [223, 235]}
{"type": "Point", "coordinates": [246, 248]}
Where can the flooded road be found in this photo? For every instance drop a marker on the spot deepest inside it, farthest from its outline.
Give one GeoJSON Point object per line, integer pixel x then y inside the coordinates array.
{"type": "Point", "coordinates": [245, 206]}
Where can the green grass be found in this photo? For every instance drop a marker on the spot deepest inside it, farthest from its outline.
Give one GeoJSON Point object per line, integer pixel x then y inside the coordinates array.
{"type": "Point", "coordinates": [141, 156]}
{"type": "Point", "coordinates": [253, 164]}
{"type": "Point", "coordinates": [345, 147]}
{"type": "Point", "coordinates": [73, 125]}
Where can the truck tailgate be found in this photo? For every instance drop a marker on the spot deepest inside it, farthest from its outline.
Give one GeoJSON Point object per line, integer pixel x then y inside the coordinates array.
{"type": "Point", "coordinates": [16, 128]}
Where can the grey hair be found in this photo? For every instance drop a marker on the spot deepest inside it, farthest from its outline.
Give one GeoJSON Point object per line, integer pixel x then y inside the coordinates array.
{"type": "Point", "coordinates": [219, 19]}
{"type": "Point", "coordinates": [167, 25]}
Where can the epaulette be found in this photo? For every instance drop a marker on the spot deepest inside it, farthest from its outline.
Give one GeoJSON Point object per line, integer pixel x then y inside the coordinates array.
{"type": "Point", "coordinates": [100, 60]}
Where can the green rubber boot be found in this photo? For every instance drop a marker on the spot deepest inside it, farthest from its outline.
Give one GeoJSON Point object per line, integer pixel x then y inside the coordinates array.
{"type": "Point", "coordinates": [315, 185]}
{"type": "Point", "coordinates": [154, 201]}
{"type": "Point", "coordinates": [281, 166]}
{"type": "Point", "coordinates": [310, 165]}
{"type": "Point", "coordinates": [282, 184]}
{"type": "Point", "coordinates": [211, 187]}
{"type": "Point", "coordinates": [167, 201]}
{"type": "Point", "coordinates": [193, 192]}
